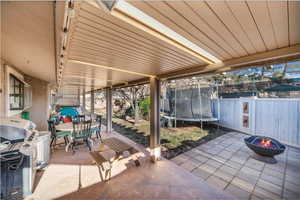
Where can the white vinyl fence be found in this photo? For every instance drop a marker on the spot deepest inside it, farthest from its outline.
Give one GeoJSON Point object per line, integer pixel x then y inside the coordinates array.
{"type": "Point", "coordinates": [276, 118]}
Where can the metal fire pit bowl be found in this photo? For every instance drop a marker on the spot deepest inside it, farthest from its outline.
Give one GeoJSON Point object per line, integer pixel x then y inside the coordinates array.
{"type": "Point", "coordinates": [255, 144]}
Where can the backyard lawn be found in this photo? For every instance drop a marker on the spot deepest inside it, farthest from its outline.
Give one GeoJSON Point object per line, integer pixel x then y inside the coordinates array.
{"type": "Point", "coordinates": [174, 140]}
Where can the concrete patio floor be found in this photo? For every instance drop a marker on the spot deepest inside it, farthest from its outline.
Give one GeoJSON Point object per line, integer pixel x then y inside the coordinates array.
{"type": "Point", "coordinates": [226, 162]}
{"type": "Point", "coordinates": [75, 177]}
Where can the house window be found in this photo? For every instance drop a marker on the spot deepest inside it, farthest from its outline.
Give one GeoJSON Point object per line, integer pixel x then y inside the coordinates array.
{"type": "Point", "coordinates": [16, 93]}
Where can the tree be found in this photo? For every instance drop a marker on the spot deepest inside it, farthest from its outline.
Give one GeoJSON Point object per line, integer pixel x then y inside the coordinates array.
{"type": "Point", "coordinates": [133, 95]}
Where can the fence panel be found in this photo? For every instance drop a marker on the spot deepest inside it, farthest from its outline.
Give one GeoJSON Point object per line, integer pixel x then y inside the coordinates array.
{"type": "Point", "coordinates": [277, 118]}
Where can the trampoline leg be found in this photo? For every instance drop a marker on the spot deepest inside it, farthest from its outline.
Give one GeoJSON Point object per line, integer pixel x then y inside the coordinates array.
{"type": "Point", "coordinates": [170, 124]}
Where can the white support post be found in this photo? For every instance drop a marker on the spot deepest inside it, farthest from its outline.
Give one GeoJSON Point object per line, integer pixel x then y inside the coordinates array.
{"type": "Point", "coordinates": [83, 100]}
{"type": "Point", "coordinates": [155, 119]}
{"type": "Point", "coordinates": [92, 101]}
{"type": "Point", "coordinates": [78, 96]}
{"type": "Point", "coordinates": [108, 110]}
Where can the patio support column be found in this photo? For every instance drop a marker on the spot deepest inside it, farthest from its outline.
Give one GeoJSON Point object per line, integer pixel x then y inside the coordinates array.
{"type": "Point", "coordinates": [155, 119]}
{"type": "Point", "coordinates": [78, 96]}
{"type": "Point", "coordinates": [92, 101]}
{"type": "Point", "coordinates": [83, 99]}
{"type": "Point", "coordinates": [108, 110]}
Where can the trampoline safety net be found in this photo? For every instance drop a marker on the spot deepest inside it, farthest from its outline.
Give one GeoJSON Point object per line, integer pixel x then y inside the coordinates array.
{"type": "Point", "coordinates": [193, 104]}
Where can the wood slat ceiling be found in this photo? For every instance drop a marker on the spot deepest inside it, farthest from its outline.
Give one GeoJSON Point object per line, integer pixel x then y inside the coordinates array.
{"type": "Point", "coordinates": [88, 78]}
{"type": "Point", "coordinates": [226, 29]}
{"type": "Point", "coordinates": [100, 38]}
{"type": "Point", "coordinates": [229, 29]}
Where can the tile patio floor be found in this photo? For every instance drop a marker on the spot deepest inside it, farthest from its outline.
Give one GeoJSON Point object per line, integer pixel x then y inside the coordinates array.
{"type": "Point", "coordinates": [226, 162]}
{"type": "Point", "coordinates": [74, 177]}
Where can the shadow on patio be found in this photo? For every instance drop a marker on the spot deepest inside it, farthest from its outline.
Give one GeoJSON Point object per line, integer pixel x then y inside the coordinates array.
{"type": "Point", "coordinates": [75, 177]}
{"type": "Point", "coordinates": [163, 180]}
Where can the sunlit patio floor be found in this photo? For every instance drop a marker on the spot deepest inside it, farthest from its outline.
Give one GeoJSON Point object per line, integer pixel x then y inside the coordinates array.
{"type": "Point", "coordinates": [76, 177]}
{"type": "Point", "coordinates": [226, 162]}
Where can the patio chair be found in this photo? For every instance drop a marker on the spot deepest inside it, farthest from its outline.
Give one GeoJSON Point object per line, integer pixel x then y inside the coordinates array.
{"type": "Point", "coordinates": [81, 132]}
{"type": "Point", "coordinates": [97, 129]}
{"type": "Point", "coordinates": [79, 118]}
{"type": "Point", "coordinates": [56, 135]}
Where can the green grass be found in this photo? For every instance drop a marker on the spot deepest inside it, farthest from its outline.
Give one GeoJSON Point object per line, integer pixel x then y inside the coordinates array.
{"type": "Point", "coordinates": [171, 137]}
{"type": "Point", "coordinates": [174, 141]}
{"type": "Point", "coordinates": [175, 137]}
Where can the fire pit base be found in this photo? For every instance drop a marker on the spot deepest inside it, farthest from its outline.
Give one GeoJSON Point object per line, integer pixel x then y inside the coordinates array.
{"type": "Point", "coordinates": [264, 146]}
{"type": "Point", "coordinates": [265, 159]}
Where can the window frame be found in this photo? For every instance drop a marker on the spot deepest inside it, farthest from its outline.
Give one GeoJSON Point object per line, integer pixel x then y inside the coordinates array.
{"type": "Point", "coordinates": [18, 92]}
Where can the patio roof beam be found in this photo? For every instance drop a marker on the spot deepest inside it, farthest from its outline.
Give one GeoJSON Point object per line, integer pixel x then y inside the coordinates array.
{"type": "Point", "coordinates": [119, 69]}
{"type": "Point", "coordinates": [141, 81]}
{"type": "Point", "coordinates": [287, 53]}
{"type": "Point", "coordinates": [291, 53]}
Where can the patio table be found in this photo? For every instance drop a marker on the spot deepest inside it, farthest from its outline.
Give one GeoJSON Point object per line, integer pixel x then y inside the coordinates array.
{"type": "Point", "coordinates": [69, 126]}
{"type": "Point", "coordinates": [117, 145]}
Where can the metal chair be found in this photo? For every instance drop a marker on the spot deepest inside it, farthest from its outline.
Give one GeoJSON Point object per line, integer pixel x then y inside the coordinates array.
{"type": "Point", "coordinates": [97, 129]}
{"type": "Point", "coordinates": [81, 131]}
{"type": "Point", "coordinates": [56, 135]}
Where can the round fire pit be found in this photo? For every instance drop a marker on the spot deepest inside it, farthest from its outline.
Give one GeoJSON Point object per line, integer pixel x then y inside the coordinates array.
{"type": "Point", "coordinates": [264, 146]}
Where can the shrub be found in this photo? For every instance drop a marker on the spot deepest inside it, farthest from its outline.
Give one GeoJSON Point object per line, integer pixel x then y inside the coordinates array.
{"type": "Point", "coordinates": [145, 106]}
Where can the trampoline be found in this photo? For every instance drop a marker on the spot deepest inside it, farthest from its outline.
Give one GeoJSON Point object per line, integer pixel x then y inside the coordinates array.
{"type": "Point", "coordinates": [212, 119]}
{"type": "Point", "coordinates": [194, 103]}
